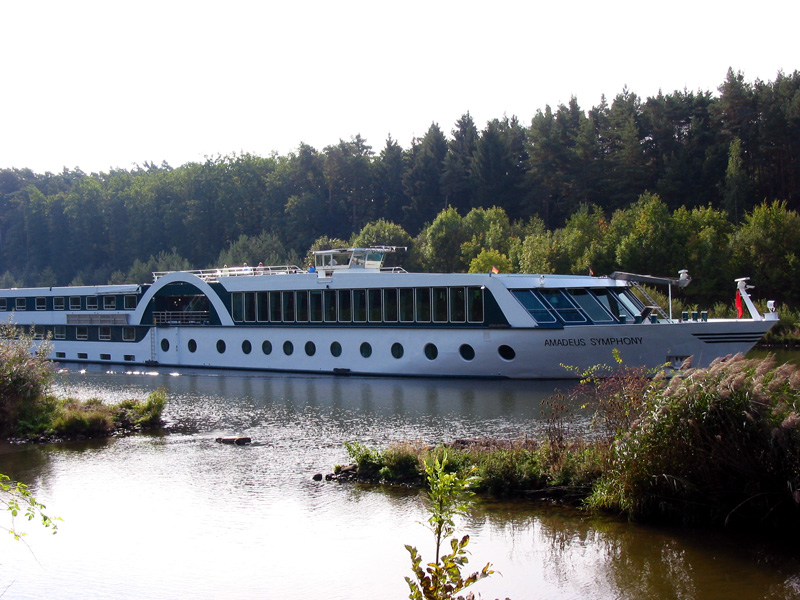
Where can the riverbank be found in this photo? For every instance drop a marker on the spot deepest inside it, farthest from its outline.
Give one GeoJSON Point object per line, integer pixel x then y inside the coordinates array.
{"type": "Point", "coordinates": [30, 413]}
{"type": "Point", "coordinates": [717, 446]}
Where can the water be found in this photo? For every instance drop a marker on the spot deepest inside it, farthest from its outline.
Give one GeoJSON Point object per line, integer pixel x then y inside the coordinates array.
{"type": "Point", "coordinates": [179, 515]}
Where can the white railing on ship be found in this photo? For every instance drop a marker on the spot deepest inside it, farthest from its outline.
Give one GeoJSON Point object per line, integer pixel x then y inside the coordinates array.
{"type": "Point", "coordinates": [180, 317]}
{"type": "Point", "coordinates": [215, 274]}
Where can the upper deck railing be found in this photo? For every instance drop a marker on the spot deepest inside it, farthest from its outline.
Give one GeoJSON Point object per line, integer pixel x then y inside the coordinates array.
{"type": "Point", "coordinates": [212, 275]}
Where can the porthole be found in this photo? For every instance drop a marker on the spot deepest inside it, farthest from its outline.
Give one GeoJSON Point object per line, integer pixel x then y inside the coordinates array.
{"type": "Point", "coordinates": [366, 350]}
{"type": "Point", "coordinates": [311, 348]}
{"type": "Point", "coordinates": [221, 346]}
{"type": "Point", "coordinates": [192, 345]}
{"type": "Point", "coordinates": [165, 345]}
{"type": "Point", "coordinates": [247, 347]}
{"type": "Point", "coordinates": [506, 352]}
{"type": "Point", "coordinates": [336, 349]}
{"type": "Point", "coordinates": [266, 347]}
{"type": "Point", "coordinates": [397, 350]}
{"type": "Point", "coordinates": [431, 351]}
{"type": "Point", "coordinates": [467, 352]}
{"type": "Point", "coordinates": [288, 347]}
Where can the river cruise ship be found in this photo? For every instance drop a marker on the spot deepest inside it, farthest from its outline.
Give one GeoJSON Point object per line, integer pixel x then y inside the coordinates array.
{"type": "Point", "coordinates": [349, 314]}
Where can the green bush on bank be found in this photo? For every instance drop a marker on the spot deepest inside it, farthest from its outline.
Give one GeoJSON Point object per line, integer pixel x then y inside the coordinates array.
{"type": "Point", "coordinates": [28, 410]}
{"type": "Point", "coordinates": [711, 446]}
{"type": "Point", "coordinates": [720, 444]}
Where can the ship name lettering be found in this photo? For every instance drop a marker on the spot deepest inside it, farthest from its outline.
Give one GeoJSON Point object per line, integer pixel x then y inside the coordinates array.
{"type": "Point", "coordinates": [616, 341]}
{"type": "Point", "coordinates": [565, 342]}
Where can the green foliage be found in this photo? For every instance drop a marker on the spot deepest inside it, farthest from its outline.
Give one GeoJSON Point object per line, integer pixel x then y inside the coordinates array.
{"type": "Point", "coordinates": [19, 502]}
{"type": "Point", "coordinates": [265, 248]}
{"type": "Point", "coordinates": [767, 248]}
{"type": "Point", "coordinates": [135, 413]}
{"type": "Point", "coordinates": [715, 445]}
{"type": "Point", "coordinates": [442, 579]}
{"type": "Point", "coordinates": [487, 259]}
{"type": "Point", "coordinates": [25, 375]}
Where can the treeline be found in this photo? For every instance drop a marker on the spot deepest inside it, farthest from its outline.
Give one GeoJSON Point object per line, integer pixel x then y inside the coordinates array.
{"type": "Point", "coordinates": [718, 157]}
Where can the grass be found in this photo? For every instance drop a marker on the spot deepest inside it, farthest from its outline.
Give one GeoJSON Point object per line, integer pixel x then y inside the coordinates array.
{"type": "Point", "coordinates": [67, 417]}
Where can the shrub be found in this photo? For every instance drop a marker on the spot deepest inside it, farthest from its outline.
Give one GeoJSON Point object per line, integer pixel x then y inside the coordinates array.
{"type": "Point", "coordinates": [715, 444]}
{"type": "Point", "coordinates": [25, 376]}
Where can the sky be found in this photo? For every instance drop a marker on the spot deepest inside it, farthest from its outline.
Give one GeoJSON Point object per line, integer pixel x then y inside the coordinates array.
{"type": "Point", "coordinates": [97, 85]}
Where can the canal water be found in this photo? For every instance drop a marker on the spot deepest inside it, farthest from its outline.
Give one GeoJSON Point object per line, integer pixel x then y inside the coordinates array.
{"type": "Point", "coordinates": [177, 515]}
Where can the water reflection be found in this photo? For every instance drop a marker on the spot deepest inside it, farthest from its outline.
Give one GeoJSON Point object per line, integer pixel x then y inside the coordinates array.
{"type": "Point", "coordinates": [174, 515]}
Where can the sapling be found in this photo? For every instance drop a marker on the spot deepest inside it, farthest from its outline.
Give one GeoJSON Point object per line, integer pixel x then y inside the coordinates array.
{"type": "Point", "coordinates": [442, 579]}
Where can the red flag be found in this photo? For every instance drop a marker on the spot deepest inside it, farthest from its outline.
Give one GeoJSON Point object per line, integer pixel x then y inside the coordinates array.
{"type": "Point", "coordinates": [495, 270]}
{"type": "Point", "coordinates": [739, 310]}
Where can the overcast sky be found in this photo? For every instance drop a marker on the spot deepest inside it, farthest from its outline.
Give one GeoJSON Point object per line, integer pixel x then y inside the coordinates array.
{"type": "Point", "coordinates": [113, 83]}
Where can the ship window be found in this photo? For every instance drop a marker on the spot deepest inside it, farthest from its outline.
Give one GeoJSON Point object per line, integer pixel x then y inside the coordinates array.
{"type": "Point", "coordinates": [316, 306]}
{"type": "Point", "coordinates": [104, 333]}
{"type": "Point", "coordinates": [506, 352]}
{"type": "Point", "coordinates": [288, 307]}
{"type": "Point", "coordinates": [431, 351]}
{"type": "Point", "coordinates": [302, 306]}
{"type": "Point", "coordinates": [165, 345]}
{"type": "Point", "coordinates": [61, 355]}
{"type": "Point", "coordinates": [366, 350]}
{"type": "Point", "coordinates": [58, 303]}
{"type": "Point", "coordinates": [288, 347]}
{"type": "Point", "coordinates": [359, 306]}
{"type": "Point", "coordinates": [562, 305]}
{"type": "Point", "coordinates": [397, 350]}
{"type": "Point", "coordinates": [83, 355]}
{"type": "Point", "coordinates": [590, 306]}
{"type": "Point", "coordinates": [262, 300]}
{"type": "Point", "coordinates": [311, 348]}
{"type": "Point", "coordinates": [221, 346]}
{"type": "Point", "coordinates": [3, 304]}
{"type": "Point", "coordinates": [439, 304]}
{"type": "Point", "coordinates": [390, 305]}
{"type": "Point", "coordinates": [38, 332]}
{"type": "Point", "coordinates": [475, 305]}
{"type": "Point", "coordinates": [129, 358]}
{"type": "Point", "coordinates": [21, 304]}
{"type": "Point", "coordinates": [374, 298]}
{"type": "Point", "coordinates": [192, 346]}
{"type": "Point", "coordinates": [74, 302]}
{"type": "Point", "coordinates": [329, 299]}
{"type": "Point", "coordinates": [249, 307]}
{"type": "Point", "coordinates": [105, 357]}
{"type": "Point", "coordinates": [336, 349]}
{"type": "Point", "coordinates": [266, 347]}
{"type": "Point", "coordinates": [129, 334]}
{"type": "Point", "coordinates": [41, 303]}
{"type": "Point", "coordinates": [109, 303]}
{"type": "Point", "coordinates": [466, 351]}
{"type": "Point", "coordinates": [60, 332]}
{"type": "Point", "coordinates": [130, 302]}
{"type": "Point", "coordinates": [81, 333]}
{"type": "Point", "coordinates": [534, 306]}
{"type": "Point", "coordinates": [247, 347]}
{"type": "Point", "coordinates": [458, 305]}
{"type": "Point", "coordinates": [236, 307]}
{"type": "Point", "coordinates": [275, 307]}
{"type": "Point", "coordinates": [344, 305]}
{"type": "Point", "coordinates": [407, 305]}
{"type": "Point", "coordinates": [91, 302]}
{"type": "Point", "coordinates": [423, 305]}
{"type": "Point", "coordinates": [630, 303]}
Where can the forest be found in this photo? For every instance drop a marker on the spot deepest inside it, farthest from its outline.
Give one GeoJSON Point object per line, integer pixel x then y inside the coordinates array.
{"type": "Point", "coordinates": [705, 181]}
